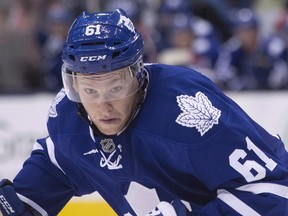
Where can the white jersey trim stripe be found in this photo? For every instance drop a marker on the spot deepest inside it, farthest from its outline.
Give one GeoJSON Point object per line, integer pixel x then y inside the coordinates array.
{"type": "Point", "coordinates": [258, 188]}
{"type": "Point", "coordinates": [32, 204]}
{"type": "Point", "coordinates": [91, 134]}
{"type": "Point", "coordinates": [236, 203]}
{"type": "Point", "coordinates": [51, 153]}
{"type": "Point", "coordinates": [37, 146]}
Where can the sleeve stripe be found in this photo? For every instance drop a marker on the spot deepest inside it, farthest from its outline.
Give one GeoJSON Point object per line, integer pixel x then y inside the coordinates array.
{"type": "Point", "coordinates": [258, 188]}
{"type": "Point", "coordinates": [37, 146]}
{"type": "Point", "coordinates": [32, 204]}
{"type": "Point", "coordinates": [236, 204]}
{"type": "Point", "coordinates": [51, 153]}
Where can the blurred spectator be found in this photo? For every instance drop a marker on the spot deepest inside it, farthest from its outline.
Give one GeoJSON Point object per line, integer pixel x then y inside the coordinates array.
{"type": "Point", "coordinates": [281, 20]}
{"type": "Point", "coordinates": [277, 48]}
{"type": "Point", "coordinates": [206, 44]}
{"type": "Point", "coordinates": [179, 42]}
{"type": "Point", "coordinates": [193, 43]}
{"type": "Point", "coordinates": [19, 62]}
{"type": "Point", "coordinates": [169, 13]}
{"type": "Point", "coordinates": [57, 22]}
{"type": "Point", "coordinates": [247, 61]}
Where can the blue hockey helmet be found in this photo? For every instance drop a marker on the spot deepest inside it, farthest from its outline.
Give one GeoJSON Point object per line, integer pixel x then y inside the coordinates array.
{"type": "Point", "coordinates": [101, 43]}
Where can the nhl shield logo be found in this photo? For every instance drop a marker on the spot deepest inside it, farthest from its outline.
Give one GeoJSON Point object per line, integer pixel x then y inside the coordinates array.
{"type": "Point", "coordinates": [108, 145]}
{"type": "Point", "coordinates": [197, 112]}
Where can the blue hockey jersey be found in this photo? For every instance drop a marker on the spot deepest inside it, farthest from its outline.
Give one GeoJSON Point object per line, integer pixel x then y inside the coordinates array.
{"type": "Point", "coordinates": [189, 141]}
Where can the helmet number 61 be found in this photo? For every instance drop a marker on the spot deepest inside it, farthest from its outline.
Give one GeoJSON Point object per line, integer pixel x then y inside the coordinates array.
{"type": "Point", "coordinates": [92, 30]}
{"type": "Point", "coordinates": [250, 169]}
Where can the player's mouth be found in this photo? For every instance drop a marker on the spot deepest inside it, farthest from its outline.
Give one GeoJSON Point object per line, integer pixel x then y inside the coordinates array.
{"type": "Point", "coordinates": [110, 121]}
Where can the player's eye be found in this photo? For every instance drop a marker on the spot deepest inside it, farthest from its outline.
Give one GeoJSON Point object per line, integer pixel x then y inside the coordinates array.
{"type": "Point", "coordinates": [90, 91]}
{"type": "Point", "coordinates": [116, 89]}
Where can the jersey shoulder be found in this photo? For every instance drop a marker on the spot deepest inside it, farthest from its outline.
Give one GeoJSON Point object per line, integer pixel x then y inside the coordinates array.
{"type": "Point", "coordinates": [177, 78]}
{"type": "Point", "coordinates": [183, 104]}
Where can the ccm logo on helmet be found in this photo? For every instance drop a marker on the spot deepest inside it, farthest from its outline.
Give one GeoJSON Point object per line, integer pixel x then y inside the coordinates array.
{"type": "Point", "coordinates": [92, 58]}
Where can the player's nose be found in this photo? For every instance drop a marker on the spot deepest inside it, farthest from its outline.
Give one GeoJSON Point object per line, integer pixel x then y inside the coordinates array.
{"type": "Point", "coordinates": [104, 107]}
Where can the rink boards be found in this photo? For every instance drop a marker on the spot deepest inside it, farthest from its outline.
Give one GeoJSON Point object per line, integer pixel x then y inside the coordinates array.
{"type": "Point", "coordinates": [88, 208]}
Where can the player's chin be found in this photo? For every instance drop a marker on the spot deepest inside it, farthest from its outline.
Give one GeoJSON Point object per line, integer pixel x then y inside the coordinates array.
{"type": "Point", "coordinates": [110, 132]}
{"type": "Point", "coordinates": [110, 129]}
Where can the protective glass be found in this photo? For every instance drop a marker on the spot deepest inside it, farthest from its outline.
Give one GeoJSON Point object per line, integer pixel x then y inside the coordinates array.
{"type": "Point", "coordinates": [101, 87]}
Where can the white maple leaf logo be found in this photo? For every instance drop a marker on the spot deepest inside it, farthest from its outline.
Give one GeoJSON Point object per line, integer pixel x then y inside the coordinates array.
{"type": "Point", "coordinates": [197, 112]}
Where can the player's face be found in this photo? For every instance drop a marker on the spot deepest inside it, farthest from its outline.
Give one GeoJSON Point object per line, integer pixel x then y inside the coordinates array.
{"type": "Point", "coordinates": [111, 117]}
{"type": "Point", "coordinates": [109, 99]}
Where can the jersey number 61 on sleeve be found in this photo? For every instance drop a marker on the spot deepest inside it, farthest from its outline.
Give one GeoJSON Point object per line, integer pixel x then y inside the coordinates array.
{"type": "Point", "coordinates": [250, 169]}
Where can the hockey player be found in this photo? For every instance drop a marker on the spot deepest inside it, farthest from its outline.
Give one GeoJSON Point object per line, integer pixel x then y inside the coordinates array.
{"type": "Point", "coordinates": [151, 139]}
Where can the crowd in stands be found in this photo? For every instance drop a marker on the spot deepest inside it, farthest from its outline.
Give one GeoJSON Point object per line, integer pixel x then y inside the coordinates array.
{"type": "Point", "coordinates": [220, 38]}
